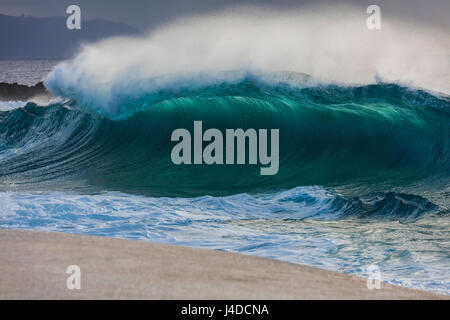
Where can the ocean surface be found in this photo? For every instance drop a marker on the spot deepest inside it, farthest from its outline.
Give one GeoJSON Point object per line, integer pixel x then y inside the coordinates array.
{"type": "Point", "coordinates": [364, 174]}
{"type": "Point", "coordinates": [27, 72]}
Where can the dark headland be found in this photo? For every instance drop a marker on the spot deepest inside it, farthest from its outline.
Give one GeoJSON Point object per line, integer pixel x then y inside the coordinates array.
{"type": "Point", "coordinates": [20, 92]}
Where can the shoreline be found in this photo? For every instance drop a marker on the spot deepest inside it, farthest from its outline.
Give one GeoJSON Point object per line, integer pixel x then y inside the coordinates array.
{"type": "Point", "coordinates": [33, 265]}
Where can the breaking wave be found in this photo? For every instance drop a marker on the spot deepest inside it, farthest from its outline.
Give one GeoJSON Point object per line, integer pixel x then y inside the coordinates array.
{"type": "Point", "coordinates": [374, 136]}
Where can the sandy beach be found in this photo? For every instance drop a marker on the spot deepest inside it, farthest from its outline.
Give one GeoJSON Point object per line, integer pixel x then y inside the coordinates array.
{"type": "Point", "coordinates": [33, 266]}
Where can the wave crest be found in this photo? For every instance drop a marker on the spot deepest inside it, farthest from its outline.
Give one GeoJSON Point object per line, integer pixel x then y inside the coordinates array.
{"type": "Point", "coordinates": [330, 44]}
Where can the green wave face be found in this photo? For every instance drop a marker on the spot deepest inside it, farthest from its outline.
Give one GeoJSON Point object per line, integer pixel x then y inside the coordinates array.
{"type": "Point", "coordinates": [350, 137]}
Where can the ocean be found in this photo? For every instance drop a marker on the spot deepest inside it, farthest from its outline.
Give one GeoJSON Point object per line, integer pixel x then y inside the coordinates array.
{"type": "Point", "coordinates": [26, 72]}
{"type": "Point", "coordinates": [363, 179]}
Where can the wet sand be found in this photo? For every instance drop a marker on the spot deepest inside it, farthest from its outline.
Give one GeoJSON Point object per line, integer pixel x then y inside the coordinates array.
{"type": "Point", "coordinates": [33, 266]}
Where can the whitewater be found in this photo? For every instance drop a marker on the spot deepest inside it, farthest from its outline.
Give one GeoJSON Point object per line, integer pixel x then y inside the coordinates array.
{"type": "Point", "coordinates": [364, 158]}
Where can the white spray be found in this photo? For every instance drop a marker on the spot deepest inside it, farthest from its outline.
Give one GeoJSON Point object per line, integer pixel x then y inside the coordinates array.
{"type": "Point", "coordinates": [332, 45]}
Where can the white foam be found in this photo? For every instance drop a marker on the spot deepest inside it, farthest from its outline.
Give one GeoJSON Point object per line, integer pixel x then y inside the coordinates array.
{"type": "Point", "coordinates": [40, 100]}
{"type": "Point", "coordinates": [11, 105]}
{"type": "Point", "coordinates": [333, 45]}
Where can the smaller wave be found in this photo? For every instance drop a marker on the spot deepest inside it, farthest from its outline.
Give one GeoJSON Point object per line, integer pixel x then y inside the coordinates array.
{"type": "Point", "coordinates": [12, 105]}
{"type": "Point", "coordinates": [386, 205]}
{"type": "Point", "coordinates": [41, 101]}
{"type": "Point", "coordinates": [325, 204]}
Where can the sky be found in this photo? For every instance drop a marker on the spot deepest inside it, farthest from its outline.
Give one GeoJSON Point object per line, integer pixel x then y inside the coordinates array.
{"type": "Point", "coordinates": [147, 14]}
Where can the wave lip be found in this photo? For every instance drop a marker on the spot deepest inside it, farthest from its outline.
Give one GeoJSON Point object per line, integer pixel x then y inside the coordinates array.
{"type": "Point", "coordinates": [254, 40]}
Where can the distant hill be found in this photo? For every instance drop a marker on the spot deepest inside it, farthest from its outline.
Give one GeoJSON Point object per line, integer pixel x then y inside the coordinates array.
{"type": "Point", "coordinates": [27, 38]}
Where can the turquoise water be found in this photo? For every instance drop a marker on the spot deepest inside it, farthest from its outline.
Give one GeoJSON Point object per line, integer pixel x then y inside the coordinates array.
{"type": "Point", "coordinates": [363, 178]}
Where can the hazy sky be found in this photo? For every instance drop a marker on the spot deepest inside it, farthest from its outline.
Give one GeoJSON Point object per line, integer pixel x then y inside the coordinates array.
{"type": "Point", "coordinates": [145, 14]}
